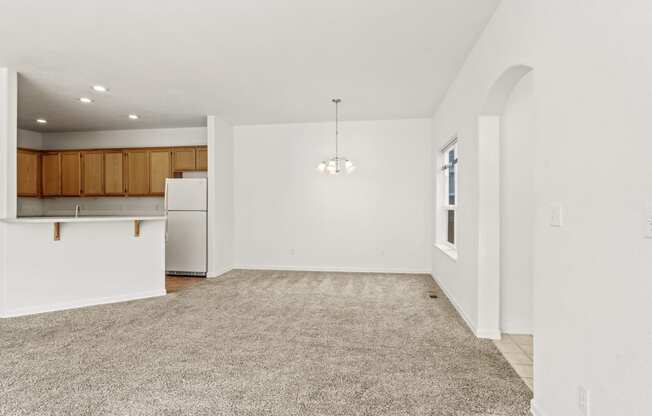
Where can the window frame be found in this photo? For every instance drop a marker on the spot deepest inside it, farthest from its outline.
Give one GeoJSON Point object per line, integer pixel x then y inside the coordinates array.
{"type": "Point", "coordinates": [443, 203]}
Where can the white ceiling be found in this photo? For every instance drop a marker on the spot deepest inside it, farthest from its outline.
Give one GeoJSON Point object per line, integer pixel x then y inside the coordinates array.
{"type": "Point", "coordinates": [250, 61]}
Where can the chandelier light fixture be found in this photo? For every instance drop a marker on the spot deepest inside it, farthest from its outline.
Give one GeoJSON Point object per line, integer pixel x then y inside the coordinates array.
{"type": "Point", "coordinates": [336, 164]}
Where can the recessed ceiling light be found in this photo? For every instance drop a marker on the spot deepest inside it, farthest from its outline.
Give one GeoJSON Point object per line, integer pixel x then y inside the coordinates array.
{"type": "Point", "coordinates": [85, 100]}
{"type": "Point", "coordinates": [133, 116]}
{"type": "Point", "coordinates": [100, 88]}
{"type": "Point", "coordinates": [41, 121]}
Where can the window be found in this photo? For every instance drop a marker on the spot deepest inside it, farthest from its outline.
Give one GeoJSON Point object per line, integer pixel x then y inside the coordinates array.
{"type": "Point", "coordinates": [449, 172]}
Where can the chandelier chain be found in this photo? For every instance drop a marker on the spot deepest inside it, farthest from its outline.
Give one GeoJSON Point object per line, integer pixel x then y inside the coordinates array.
{"type": "Point", "coordinates": [336, 165]}
{"type": "Point", "coordinates": [337, 125]}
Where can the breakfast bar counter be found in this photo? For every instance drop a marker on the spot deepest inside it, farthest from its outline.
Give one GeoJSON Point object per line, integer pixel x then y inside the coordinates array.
{"type": "Point", "coordinates": [56, 263]}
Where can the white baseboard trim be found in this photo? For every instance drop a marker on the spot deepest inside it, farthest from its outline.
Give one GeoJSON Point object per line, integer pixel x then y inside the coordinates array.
{"type": "Point", "coordinates": [509, 328]}
{"type": "Point", "coordinates": [213, 275]}
{"type": "Point", "coordinates": [535, 410]}
{"type": "Point", "coordinates": [488, 334]}
{"type": "Point", "coordinates": [478, 332]}
{"type": "Point", "coordinates": [456, 305]}
{"type": "Point", "coordinates": [31, 310]}
{"type": "Point", "coordinates": [333, 269]}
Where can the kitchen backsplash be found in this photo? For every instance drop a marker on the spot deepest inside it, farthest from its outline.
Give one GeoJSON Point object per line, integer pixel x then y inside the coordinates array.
{"type": "Point", "coordinates": [90, 206]}
{"type": "Point", "coordinates": [30, 207]}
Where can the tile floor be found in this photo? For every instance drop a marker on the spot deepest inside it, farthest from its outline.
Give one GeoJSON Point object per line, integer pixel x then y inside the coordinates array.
{"type": "Point", "coordinates": [517, 349]}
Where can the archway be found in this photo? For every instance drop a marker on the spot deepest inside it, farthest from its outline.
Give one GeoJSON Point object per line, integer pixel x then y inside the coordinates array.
{"type": "Point", "coordinates": [489, 200]}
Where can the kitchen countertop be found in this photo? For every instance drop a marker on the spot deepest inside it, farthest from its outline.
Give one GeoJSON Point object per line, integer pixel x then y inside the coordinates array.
{"type": "Point", "coordinates": [90, 218]}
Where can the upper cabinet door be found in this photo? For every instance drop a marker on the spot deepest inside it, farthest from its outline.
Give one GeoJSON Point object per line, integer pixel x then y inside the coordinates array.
{"type": "Point", "coordinates": [114, 167]}
{"type": "Point", "coordinates": [28, 173]}
{"type": "Point", "coordinates": [51, 174]}
{"type": "Point", "coordinates": [70, 173]}
{"type": "Point", "coordinates": [137, 172]}
{"type": "Point", "coordinates": [160, 168]}
{"type": "Point", "coordinates": [202, 158]}
{"type": "Point", "coordinates": [93, 173]}
{"type": "Point", "coordinates": [184, 159]}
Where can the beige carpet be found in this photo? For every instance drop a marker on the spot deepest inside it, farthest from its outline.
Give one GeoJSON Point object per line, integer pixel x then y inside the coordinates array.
{"type": "Point", "coordinates": [260, 343]}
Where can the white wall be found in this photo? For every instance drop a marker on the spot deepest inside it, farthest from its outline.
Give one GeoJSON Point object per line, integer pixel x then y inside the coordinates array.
{"type": "Point", "coordinates": [517, 209]}
{"type": "Point", "coordinates": [289, 216]}
{"type": "Point", "coordinates": [30, 139]}
{"type": "Point", "coordinates": [220, 196]}
{"type": "Point", "coordinates": [186, 136]}
{"type": "Point", "coordinates": [592, 96]}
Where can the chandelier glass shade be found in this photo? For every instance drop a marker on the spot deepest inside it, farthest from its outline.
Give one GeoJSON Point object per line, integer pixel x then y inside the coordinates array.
{"type": "Point", "coordinates": [336, 164]}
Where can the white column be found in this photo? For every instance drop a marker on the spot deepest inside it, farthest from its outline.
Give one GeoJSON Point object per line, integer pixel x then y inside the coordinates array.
{"type": "Point", "coordinates": [212, 229]}
{"type": "Point", "coordinates": [489, 227]}
{"type": "Point", "coordinates": [220, 196]}
{"type": "Point", "coordinates": [8, 132]}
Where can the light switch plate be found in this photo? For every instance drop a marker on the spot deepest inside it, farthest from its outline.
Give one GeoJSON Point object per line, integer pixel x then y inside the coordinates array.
{"type": "Point", "coordinates": [648, 227]}
{"type": "Point", "coordinates": [556, 215]}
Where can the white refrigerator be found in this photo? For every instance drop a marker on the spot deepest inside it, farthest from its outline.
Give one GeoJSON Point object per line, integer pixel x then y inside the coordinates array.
{"type": "Point", "coordinates": [186, 205]}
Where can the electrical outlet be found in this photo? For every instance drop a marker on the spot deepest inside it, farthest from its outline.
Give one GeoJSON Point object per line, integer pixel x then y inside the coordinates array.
{"type": "Point", "coordinates": [556, 215]}
{"type": "Point", "coordinates": [648, 220]}
{"type": "Point", "coordinates": [583, 400]}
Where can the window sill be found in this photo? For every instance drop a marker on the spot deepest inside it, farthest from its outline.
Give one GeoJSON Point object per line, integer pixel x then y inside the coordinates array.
{"type": "Point", "coordinates": [448, 250]}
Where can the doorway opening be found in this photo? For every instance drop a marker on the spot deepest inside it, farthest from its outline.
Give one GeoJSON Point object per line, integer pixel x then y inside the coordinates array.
{"type": "Point", "coordinates": [506, 217]}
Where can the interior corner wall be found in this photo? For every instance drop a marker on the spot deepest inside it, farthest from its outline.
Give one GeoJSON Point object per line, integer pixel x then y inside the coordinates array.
{"type": "Point", "coordinates": [290, 216]}
{"type": "Point", "coordinates": [591, 286]}
{"type": "Point", "coordinates": [220, 196]}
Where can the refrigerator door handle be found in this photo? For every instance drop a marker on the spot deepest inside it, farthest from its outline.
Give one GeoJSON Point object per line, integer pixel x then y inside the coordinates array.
{"type": "Point", "coordinates": [165, 210]}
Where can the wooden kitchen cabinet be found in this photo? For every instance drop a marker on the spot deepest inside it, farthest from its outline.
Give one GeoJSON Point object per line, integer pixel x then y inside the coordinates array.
{"type": "Point", "coordinates": [28, 172]}
{"type": "Point", "coordinates": [114, 173]}
{"type": "Point", "coordinates": [92, 173]}
{"type": "Point", "coordinates": [183, 159]}
{"type": "Point", "coordinates": [51, 174]}
{"type": "Point", "coordinates": [105, 172]}
{"type": "Point", "coordinates": [70, 173]}
{"type": "Point", "coordinates": [201, 158]}
{"type": "Point", "coordinates": [137, 172]}
{"type": "Point", "coordinates": [160, 168]}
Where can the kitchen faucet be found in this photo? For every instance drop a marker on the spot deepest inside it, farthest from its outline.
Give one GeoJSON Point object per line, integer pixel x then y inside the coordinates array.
{"type": "Point", "coordinates": [77, 210]}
